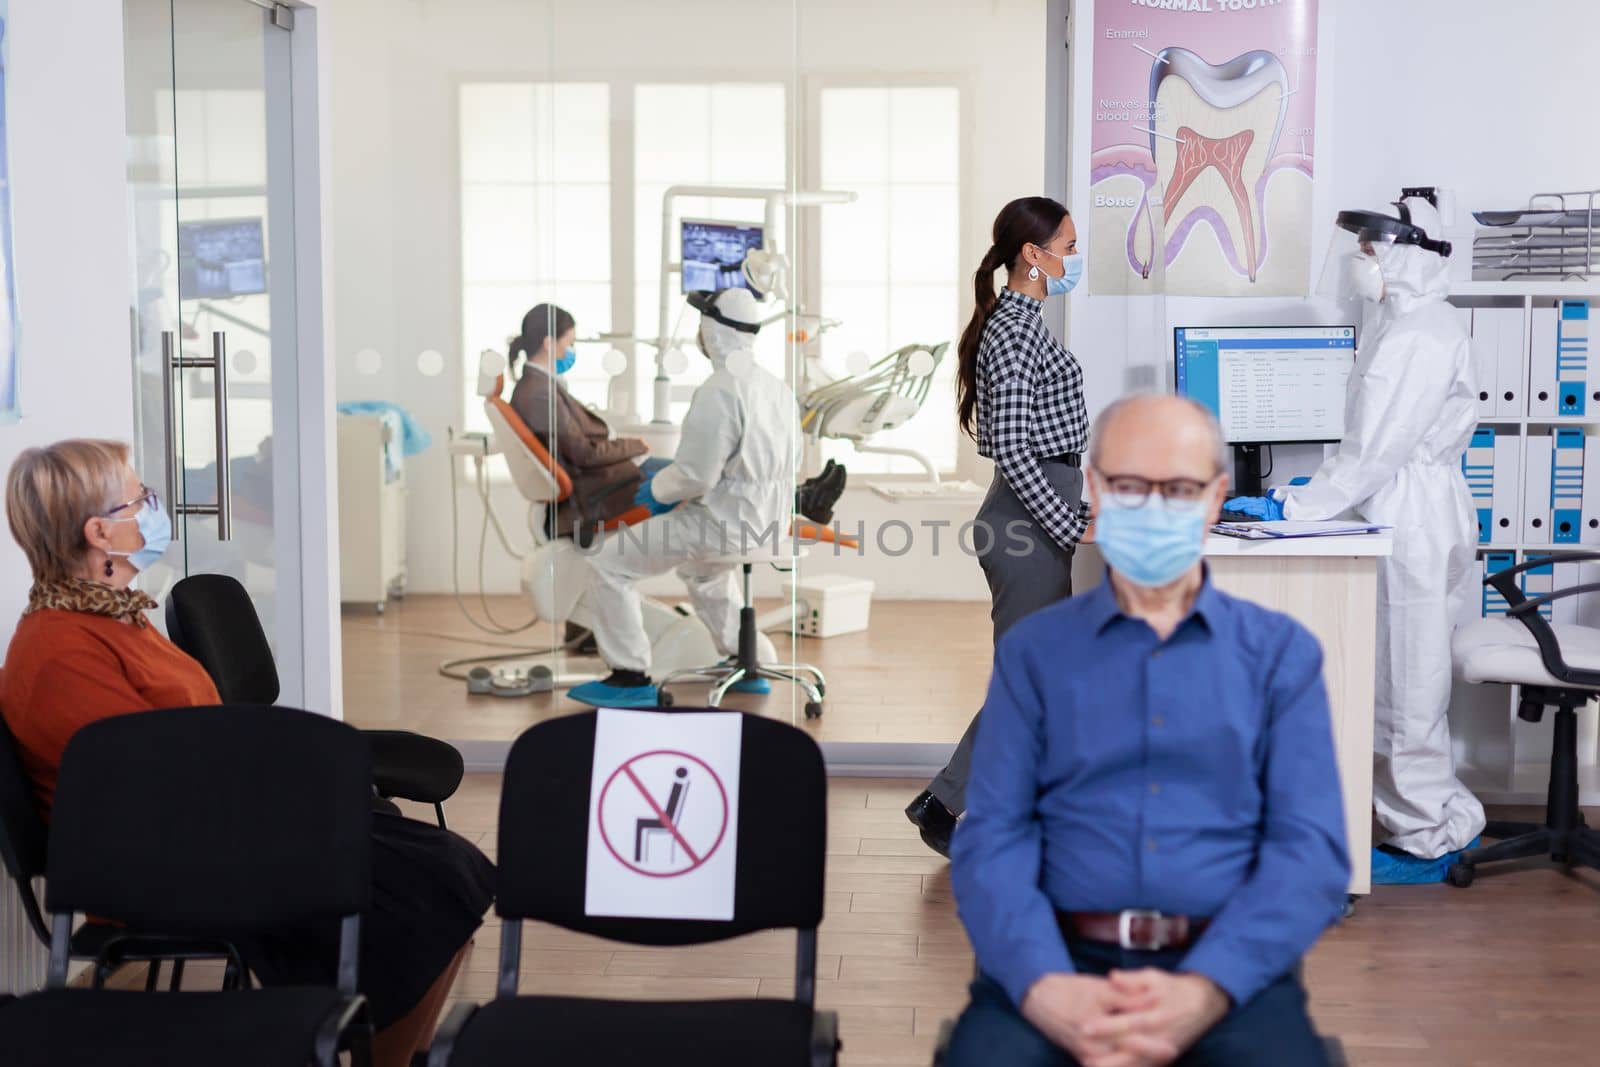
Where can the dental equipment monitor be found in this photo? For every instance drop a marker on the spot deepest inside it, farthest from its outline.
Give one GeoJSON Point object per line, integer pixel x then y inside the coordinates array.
{"type": "Point", "coordinates": [713, 252]}
{"type": "Point", "coordinates": [221, 258]}
{"type": "Point", "coordinates": [1267, 385]}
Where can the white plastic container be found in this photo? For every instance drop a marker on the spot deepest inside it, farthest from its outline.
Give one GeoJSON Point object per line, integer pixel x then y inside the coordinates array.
{"type": "Point", "coordinates": [831, 604]}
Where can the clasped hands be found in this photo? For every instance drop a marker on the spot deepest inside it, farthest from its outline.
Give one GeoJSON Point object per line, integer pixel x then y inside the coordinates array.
{"type": "Point", "coordinates": [1143, 1018]}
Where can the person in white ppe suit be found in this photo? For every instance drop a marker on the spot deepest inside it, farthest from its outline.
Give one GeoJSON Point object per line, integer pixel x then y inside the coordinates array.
{"type": "Point", "coordinates": [1409, 414]}
{"type": "Point", "coordinates": [730, 483]}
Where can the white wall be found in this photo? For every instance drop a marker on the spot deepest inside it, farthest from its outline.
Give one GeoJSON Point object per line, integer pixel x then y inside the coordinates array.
{"type": "Point", "coordinates": [395, 209]}
{"type": "Point", "coordinates": [69, 214]}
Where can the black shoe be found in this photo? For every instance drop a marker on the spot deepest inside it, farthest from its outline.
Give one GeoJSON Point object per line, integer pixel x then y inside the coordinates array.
{"type": "Point", "coordinates": [817, 496]}
{"type": "Point", "coordinates": [934, 820]}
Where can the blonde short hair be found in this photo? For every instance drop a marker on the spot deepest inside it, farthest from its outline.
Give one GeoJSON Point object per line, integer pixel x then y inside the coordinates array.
{"type": "Point", "coordinates": [52, 491]}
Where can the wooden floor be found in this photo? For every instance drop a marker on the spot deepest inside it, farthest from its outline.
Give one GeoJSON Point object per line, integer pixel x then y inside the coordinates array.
{"type": "Point", "coordinates": [917, 675]}
{"type": "Point", "coordinates": [1422, 976]}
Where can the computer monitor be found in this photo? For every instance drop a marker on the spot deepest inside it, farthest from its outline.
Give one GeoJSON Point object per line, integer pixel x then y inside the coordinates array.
{"type": "Point", "coordinates": [713, 252]}
{"type": "Point", "coordinates": [221, 258]}
{"type": "Point", "coordinates": [1268, 384]}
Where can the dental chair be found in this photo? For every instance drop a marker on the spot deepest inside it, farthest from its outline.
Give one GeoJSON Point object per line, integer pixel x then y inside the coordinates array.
{"type": "Point", "coordinates": [884, 397]}
{"type": "Point", "coordinates": [555, 573]}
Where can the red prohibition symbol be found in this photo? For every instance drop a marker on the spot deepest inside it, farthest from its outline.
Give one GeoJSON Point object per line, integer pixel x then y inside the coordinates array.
{"type": "Point", "coordinates": [629, 788]}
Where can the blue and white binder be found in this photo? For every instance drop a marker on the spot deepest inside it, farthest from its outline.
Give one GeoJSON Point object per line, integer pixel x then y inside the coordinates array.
{"type": "Point", "coordinates": [1568, 576]}
{"type": "Point", "coordinates": [1485, 358]}
{"type": "Point", "coordinates": [1536, 489]}
{"type": "Point", "coordinates": [1477, 465]}
{"type": "Point", "coordinates": [1538, 581]}
{"type": "Point", "coordinates": [1507, 489]}
{"type": "Point", "coordinates": [1566, 487]}
{"type": "Point", "coordinates": [1542, 383]}
{"type": "Point", "coordinates": [1572, 357]}
{"type": "Point", "coordinates": [1589, 534]}
{"type": "Point", "coordinates": [1493, 563]}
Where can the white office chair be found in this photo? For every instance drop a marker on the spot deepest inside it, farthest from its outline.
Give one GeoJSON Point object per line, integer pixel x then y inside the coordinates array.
{"type": "Point", "coordinates": [751, 662]}
{"type": "Point", "coordinates": [887, 395]}
{"type": "Point", "coordinates": [1556, 666]}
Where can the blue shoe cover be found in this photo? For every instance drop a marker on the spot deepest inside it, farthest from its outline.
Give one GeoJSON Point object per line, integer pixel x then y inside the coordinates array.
{"type": "Point", "coordinates": [601, 695]}
{"type": "Point", "coordinates": [751, 685]}
{"type": "Point", "coordinates": [1393, 867]}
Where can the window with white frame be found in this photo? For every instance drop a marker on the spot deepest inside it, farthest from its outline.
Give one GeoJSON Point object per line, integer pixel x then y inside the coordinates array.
{"type": "Point", "coordinates": [535, 220]}
{"type": "Point", "coordinates": [890, 265]}
{"type": "Point", "coordinates": [728, 134]}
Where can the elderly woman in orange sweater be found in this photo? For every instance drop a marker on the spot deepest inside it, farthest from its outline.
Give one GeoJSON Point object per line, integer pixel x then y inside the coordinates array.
{"type": "Point", "coordinates": [84, 651]}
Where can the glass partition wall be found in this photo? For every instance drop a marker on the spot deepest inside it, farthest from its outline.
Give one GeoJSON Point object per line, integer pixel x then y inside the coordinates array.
{"type": "Point", "coordinates": [593, 165]}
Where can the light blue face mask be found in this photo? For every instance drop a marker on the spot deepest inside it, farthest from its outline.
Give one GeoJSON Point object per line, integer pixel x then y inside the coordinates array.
{"type": "Point", "coordinates": [1151, 545]}
{"type": "Point", "coordinates": [1072, 273]}
{"type": "Point", "coordinates": [565, 361]}
{"type": "Point", "coordinates": [155, 526]}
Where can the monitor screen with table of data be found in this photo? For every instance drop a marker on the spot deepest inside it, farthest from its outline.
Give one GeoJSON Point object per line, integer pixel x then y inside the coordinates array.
{"type": "Point", "coordinates": [1268, 384]}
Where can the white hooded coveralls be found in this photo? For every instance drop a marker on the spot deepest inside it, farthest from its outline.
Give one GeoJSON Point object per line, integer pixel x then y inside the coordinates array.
{"type": "Point", "coordinates": [734, 473]}
{"type": "Point", "coordinates": [1410, 411]}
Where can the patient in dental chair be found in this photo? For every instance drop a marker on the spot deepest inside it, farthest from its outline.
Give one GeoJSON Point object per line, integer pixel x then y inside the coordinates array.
{"type": "Point", "coordinates": [577, 438]}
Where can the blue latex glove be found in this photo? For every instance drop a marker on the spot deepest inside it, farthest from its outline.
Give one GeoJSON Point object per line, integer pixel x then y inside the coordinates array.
{"type": "Point", "coordinates": [647, 499]}
{"type": "Point", "coordinates": [1261, 508]}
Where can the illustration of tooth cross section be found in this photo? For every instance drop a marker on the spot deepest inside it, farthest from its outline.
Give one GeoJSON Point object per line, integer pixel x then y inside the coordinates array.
{"type": "Point", "coordinates": [1214, 135]}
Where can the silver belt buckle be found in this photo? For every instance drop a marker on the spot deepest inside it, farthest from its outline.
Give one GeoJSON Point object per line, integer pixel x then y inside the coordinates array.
{"type": "Point", "coordinates": [1125, 921]}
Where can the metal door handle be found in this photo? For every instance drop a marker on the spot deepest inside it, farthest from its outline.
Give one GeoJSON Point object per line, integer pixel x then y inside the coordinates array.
{"type": "Point", "coordinates": [218, 365]}
{"type": "Point", "coordinates": [169, 340]}
{"type": "Point", "coordinates": [219, 361]}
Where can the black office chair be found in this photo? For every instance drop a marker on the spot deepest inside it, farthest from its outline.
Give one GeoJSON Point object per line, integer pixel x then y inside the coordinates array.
{"type": "Point", "coordinates": [1555, 666]}
{"type": "Point", "coordinates": [23, 848]}
{"type": "Point", "coordinates": [781, 842]}
{"type": "Point", "coordinates": [211, 617]}
{"type": "Point", "coordinates": [177, 821]}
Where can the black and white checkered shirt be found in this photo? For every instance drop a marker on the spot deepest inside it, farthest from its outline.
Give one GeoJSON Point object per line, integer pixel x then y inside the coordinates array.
{"type": "Point", "coordinates": [1030, 407]}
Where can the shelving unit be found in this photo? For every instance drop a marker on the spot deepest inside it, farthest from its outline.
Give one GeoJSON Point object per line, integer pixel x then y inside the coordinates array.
{"type": "Point", "coordinates": [1501, 758]}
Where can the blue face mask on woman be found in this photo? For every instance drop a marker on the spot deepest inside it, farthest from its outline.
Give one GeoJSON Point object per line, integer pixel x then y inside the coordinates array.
{"type": "Point", "coordinates": [155, 526]}
{"type": "Point", "coordinates": [1071, 274]}
{"type": "Point", "coordinates": [1152, 545]}
{"type": "Point", "coordinates": [565, 361]}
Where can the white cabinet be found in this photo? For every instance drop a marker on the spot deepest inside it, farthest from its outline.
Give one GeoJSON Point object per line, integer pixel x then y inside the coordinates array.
{"type": "Point", "coordinates": [372, 511]}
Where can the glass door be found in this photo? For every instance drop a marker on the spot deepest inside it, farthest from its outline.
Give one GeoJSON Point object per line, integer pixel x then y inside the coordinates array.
{"type": "Point", "coordinates": [211, 178]}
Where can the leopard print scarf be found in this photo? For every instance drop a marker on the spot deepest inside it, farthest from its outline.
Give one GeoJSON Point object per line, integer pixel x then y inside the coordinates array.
{"type": "Point", "coordinates": [78, 594]}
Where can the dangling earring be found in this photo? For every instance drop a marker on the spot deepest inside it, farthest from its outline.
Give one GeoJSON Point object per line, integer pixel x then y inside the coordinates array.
{"type": "Point", "coordinates": [1033, 275]}
{"type": "Point", "coordinates": [109, 569]}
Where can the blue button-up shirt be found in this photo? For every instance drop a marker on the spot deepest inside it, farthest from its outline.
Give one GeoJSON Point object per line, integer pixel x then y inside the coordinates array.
{"type": "Point", "coordinates": [1194, 775]}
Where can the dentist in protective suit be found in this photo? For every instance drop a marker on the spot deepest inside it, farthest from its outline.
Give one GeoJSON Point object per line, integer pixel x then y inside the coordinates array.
{"type": "Point", "coordinates": [1409, 414]}
{"type": "Point", "coordinates": [731, 480]}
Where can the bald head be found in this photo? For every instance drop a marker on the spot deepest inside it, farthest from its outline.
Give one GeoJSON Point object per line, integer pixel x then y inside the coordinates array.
{"type": "Point", "coordinates": [1157, 436]}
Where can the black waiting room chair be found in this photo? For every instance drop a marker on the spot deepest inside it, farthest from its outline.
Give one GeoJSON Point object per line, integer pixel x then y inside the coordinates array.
{"type": "Point", "coordinates": [211, 617]}
{"type": "Point", "coordinates": [23, 838]}
{"type": "Point", "coordinates": [177, 821]}
{"type": "Point", "coordinates": [781, 842]}
{"type": "Point", "coordinates": [1556, 666]}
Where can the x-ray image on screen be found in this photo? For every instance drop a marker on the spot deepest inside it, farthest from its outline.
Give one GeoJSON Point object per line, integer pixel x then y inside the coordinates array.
{"type": "Point", "coordinates": [219, 258]}
{"type": "Point", "coordinates": [713, 254]}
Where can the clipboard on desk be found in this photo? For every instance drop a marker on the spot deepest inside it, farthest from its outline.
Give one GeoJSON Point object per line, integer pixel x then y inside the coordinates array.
{"type": "Point", "coordinates": [1289, 529]}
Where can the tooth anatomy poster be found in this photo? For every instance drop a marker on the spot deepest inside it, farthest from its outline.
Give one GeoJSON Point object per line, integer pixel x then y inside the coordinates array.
{"type": "Point", "coordinates": [1202, 147]}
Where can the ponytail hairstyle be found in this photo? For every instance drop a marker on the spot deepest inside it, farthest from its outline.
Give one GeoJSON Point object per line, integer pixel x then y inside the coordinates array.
{"type": "Point", "coordinates": [1030, 220]}
{"type": "Point", "coordinates": [541, 322]}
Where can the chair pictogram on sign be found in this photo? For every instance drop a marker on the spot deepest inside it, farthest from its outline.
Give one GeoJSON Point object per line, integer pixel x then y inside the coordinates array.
{"type": "Point", "coordinates": [671, 810]}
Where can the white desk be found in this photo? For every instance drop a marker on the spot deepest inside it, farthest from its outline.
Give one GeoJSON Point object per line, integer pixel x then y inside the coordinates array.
{"type": "Point", "coordinates": [1330, 586]}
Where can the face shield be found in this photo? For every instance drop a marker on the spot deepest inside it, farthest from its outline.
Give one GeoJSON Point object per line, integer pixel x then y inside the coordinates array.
{"type": "Point", "coordinates": [1351, 268]}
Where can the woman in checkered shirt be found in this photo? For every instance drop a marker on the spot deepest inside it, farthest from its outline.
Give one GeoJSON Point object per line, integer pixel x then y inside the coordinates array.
{"type": "Point", "coordinates": [1021, 399]}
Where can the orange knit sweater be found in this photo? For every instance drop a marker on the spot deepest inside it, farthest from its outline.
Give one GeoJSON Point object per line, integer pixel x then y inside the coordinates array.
{"type": "Point", "coordinates": [65, 669]}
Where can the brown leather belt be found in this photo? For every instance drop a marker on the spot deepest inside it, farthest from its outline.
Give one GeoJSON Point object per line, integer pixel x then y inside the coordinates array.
{"type": "Point", "coordinates": [1137, 929]}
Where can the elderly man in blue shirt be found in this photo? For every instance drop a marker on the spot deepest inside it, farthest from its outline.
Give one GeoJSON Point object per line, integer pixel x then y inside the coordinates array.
{"type": "Point", "coordinates": [1154, 833]}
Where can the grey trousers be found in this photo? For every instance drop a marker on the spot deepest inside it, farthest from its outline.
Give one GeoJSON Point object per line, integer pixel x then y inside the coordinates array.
{"type": "Point", "coordinates": [1026, 571]}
